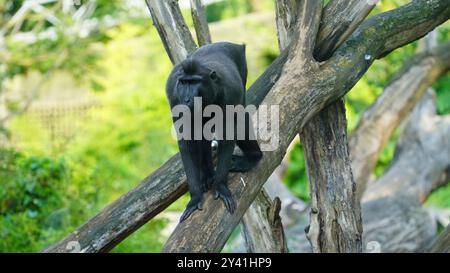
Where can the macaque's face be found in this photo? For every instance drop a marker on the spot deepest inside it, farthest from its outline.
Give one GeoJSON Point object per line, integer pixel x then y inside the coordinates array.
{"type": "Point", "coordinates": [201, 85]}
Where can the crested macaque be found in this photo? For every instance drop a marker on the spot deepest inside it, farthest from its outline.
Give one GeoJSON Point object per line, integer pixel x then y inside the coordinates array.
{"type": "Point", "coordinates": [217, 74]}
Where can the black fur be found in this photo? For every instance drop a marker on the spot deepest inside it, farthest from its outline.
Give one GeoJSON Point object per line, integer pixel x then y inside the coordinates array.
{"type": "Point", "coordinates": [217, 73]}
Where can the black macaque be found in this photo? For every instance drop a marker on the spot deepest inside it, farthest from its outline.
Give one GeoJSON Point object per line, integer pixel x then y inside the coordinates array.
{"type": "Point", "coordinates": [216, 73]}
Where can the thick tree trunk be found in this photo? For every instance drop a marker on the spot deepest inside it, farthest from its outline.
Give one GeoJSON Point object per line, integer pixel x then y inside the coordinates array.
{"type": "Point", "coordinates": [346, 16]}
{"type": "Point", "coordinates": [315, 86]}
{"type": "Point", "coordinates": [335, 213]}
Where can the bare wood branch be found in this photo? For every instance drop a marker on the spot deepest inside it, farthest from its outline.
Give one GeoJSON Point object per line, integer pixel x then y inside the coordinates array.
{"type": "Point", "coordinates": [398, 99]}
{"type": "Point", "coordinates": [200, 23]}
{"type": "Point", "coordinates": [431, 146]}
{"type": "Point", "coordinates": [379, 35]}
{"type": "Point", "coordinates": [347, 16]}
{"type": "Point", "coordinates": [172, 28]}
{"type": "Point", "coordinates": [340, 20]}
{"type": "Point", "coordinates": [286, 15]}
{"type": "Point", "coordinates": [263, 231]}
{"type": "Point", "coordinates": [392, 204]}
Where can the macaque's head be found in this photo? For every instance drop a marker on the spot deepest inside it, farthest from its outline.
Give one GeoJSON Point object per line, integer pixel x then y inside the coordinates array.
{"type": "Point", "coordinates": [196, 80]}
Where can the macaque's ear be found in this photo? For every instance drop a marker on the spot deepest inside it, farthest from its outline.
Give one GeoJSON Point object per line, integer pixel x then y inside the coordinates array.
{"type": "Point", "coordinates": [213, 75]}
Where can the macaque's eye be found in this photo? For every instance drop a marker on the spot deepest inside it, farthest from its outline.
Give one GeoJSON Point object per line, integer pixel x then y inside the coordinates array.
{"type": "Point", "coordinates": [191, 79]}
{"type": "Point", "coordinates": [213, 75]}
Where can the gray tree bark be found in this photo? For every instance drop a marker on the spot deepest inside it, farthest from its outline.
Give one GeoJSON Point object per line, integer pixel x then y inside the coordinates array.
{"type": "Point", "coordinates": [336, 224]}
{"type": "Point", "coordinates": [340, 19]}
{"type": "Point", "coordinates": [319, 85]}
{"type": "Point", "coordinates": [172, 28]}
{"type": "Point", "coordinates": [392, 204]}
{"type": "Point", "coordinates": [263, 231]}
{"type": "Point", "coordinates": [200, 22]}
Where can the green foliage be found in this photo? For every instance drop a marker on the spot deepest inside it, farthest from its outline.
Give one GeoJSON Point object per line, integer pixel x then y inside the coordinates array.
{"type": "Point", "coordinates": [296, 176]}
{"type": "Point", "coordinates": [29, 183]}
{"type": "Point", "coordinates": [231, 8]}
{"type": "Point", "coordinates": [443, 95]}
{"type": "Point", "coordinates": [440, 198]}
{"type": "Point", "coordinates": [31, 188]}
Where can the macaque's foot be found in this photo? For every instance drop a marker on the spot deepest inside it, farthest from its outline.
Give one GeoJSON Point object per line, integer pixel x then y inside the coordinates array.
{"type": "Point", "coordinates": [193, 205]}
{"type": "Point", "coordinates": [222, 191]}
{"type": "Point", "coordinates": [207, 183]}
{"type": "Point", "coordinates": [241, 164]}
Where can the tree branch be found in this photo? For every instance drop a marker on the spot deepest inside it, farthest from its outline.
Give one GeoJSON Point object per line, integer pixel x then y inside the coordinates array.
{"type": "Point", "coordinates": [392, 205]}
{"type": "Point", "coordinates": [424, 139]}
{"type": "Point", "coordinates": [172, 28]}
{"type": "Point", "coordinates": [340, 20]}
{"type": "Point", "coordinates": [391, 107]}
{"type": "Point", "coordinates": [263, 231]}
{"type": "Point", "coordinates": [336, 224]}
{"type": "Point", "coordinates": [200, 23]}
{"type": "Point", "coordinates": [286, 16]}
